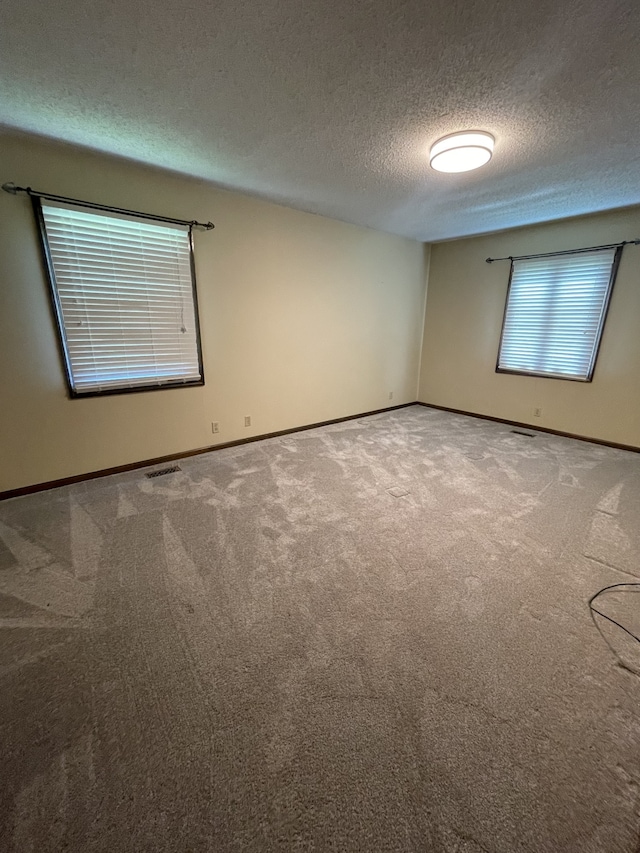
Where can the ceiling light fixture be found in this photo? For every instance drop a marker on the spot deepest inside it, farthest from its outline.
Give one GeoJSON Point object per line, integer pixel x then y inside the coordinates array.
{"type": "Point", "coordinates": [461, 152]}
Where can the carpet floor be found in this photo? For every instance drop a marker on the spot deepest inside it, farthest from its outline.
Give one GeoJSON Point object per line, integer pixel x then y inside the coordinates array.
{"type": "Point", "coordinates": [371, 636]}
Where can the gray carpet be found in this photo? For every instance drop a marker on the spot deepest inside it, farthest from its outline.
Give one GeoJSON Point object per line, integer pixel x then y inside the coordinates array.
{"type": "Point", "coordinates": [371, 636]}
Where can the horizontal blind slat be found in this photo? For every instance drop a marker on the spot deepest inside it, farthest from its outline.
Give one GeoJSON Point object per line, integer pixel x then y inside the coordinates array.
{"type": "Point", "coordinates": [125, 292]}
{"type": "Point", "coordinates": [554, 314]}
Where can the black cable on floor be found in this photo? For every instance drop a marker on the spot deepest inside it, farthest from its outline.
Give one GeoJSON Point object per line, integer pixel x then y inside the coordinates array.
{"type": "Point", "coordinates": [593, 610]}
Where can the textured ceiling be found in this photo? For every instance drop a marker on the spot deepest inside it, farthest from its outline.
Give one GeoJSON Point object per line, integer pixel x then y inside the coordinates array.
{"type": "Point", "coordinates": [331, 106]}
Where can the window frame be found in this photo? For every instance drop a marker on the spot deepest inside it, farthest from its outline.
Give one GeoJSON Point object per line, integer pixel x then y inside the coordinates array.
{"type": "Point", "coordinates": [36, 202]}
{"type": "Point", "coordinates": [598, 340]}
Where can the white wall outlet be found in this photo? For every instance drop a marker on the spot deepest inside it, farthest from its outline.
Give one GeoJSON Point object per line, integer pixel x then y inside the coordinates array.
{"type": "Point", "coordinates": [215, 426]}
{"type": "Point", "coordinates": [537, 412]}
{"type": "Point", "coordinates": [391, 395]}
{"type": "Point", "coordinates": [247, 421]}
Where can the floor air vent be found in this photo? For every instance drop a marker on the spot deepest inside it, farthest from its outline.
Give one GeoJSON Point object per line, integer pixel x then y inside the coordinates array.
{"type": "Point", "coordinates": [522, 432]}
{"type": "Point", "coordinates": [162, 471]}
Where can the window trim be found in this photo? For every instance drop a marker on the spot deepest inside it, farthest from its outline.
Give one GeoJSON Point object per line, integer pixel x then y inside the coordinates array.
{"type": "Point", "coordinates": [605, 310]}
{"type": "Point", "coordinates": [56, 307]}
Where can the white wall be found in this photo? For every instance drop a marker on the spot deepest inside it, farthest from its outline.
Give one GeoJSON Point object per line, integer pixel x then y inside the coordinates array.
{"type": "Point", "coordinates": [465, 306]}
{"type": "Point", "coordinates": [303, 319]}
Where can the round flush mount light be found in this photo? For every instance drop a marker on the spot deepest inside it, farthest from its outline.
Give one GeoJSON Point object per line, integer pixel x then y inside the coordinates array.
{"type": "Point", "coordinates": [461, 152]}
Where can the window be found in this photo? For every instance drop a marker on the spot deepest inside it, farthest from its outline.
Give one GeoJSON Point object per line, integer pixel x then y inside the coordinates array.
{"type": "Point", "coordinates": [124, 297]}
{"type": "Point", "coordinates": [555, 312]}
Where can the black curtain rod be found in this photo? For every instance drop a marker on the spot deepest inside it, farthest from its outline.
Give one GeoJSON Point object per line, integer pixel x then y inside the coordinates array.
{"type": "Point", "coordinates": [567, 252]}
{"type": "Point", "coordinates": [13, 189]}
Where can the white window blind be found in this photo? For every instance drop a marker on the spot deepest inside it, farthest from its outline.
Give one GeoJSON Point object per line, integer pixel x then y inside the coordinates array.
{"type": "Point", "coordinates": [125, 300]}
{"type": "Point", "coordinates": [555, 313]}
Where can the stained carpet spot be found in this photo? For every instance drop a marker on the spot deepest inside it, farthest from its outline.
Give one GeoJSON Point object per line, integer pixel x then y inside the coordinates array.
{"type": "Point", "coordinates": [398, 492]}
{"type": "Point", "coordinates": [568, 480]}
{"type": "Point", "coordinates": [270, 533]}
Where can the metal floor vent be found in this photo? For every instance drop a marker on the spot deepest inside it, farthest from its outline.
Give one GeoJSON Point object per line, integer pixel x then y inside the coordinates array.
{"type": "Point", "coordinates": [521, 432]}
{"type": "Point", "coordinates": [162, 471]}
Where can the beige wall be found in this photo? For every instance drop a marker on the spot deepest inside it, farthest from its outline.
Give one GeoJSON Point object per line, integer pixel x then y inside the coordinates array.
{"type": "Point", "coordinates": [465, 306]}
{"type": "Point", "coordinates": [303, 319]}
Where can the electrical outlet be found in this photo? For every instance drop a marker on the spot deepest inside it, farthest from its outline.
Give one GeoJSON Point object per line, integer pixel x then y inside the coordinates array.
{"type": "Point", "coordinates": [247, 421]}
{"type": "Point", "coordinates": [391, 395]}
{"type": "Point", "coordinates": [215, 426]}
{"type": "Point", "coordinates": [537, 412]}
